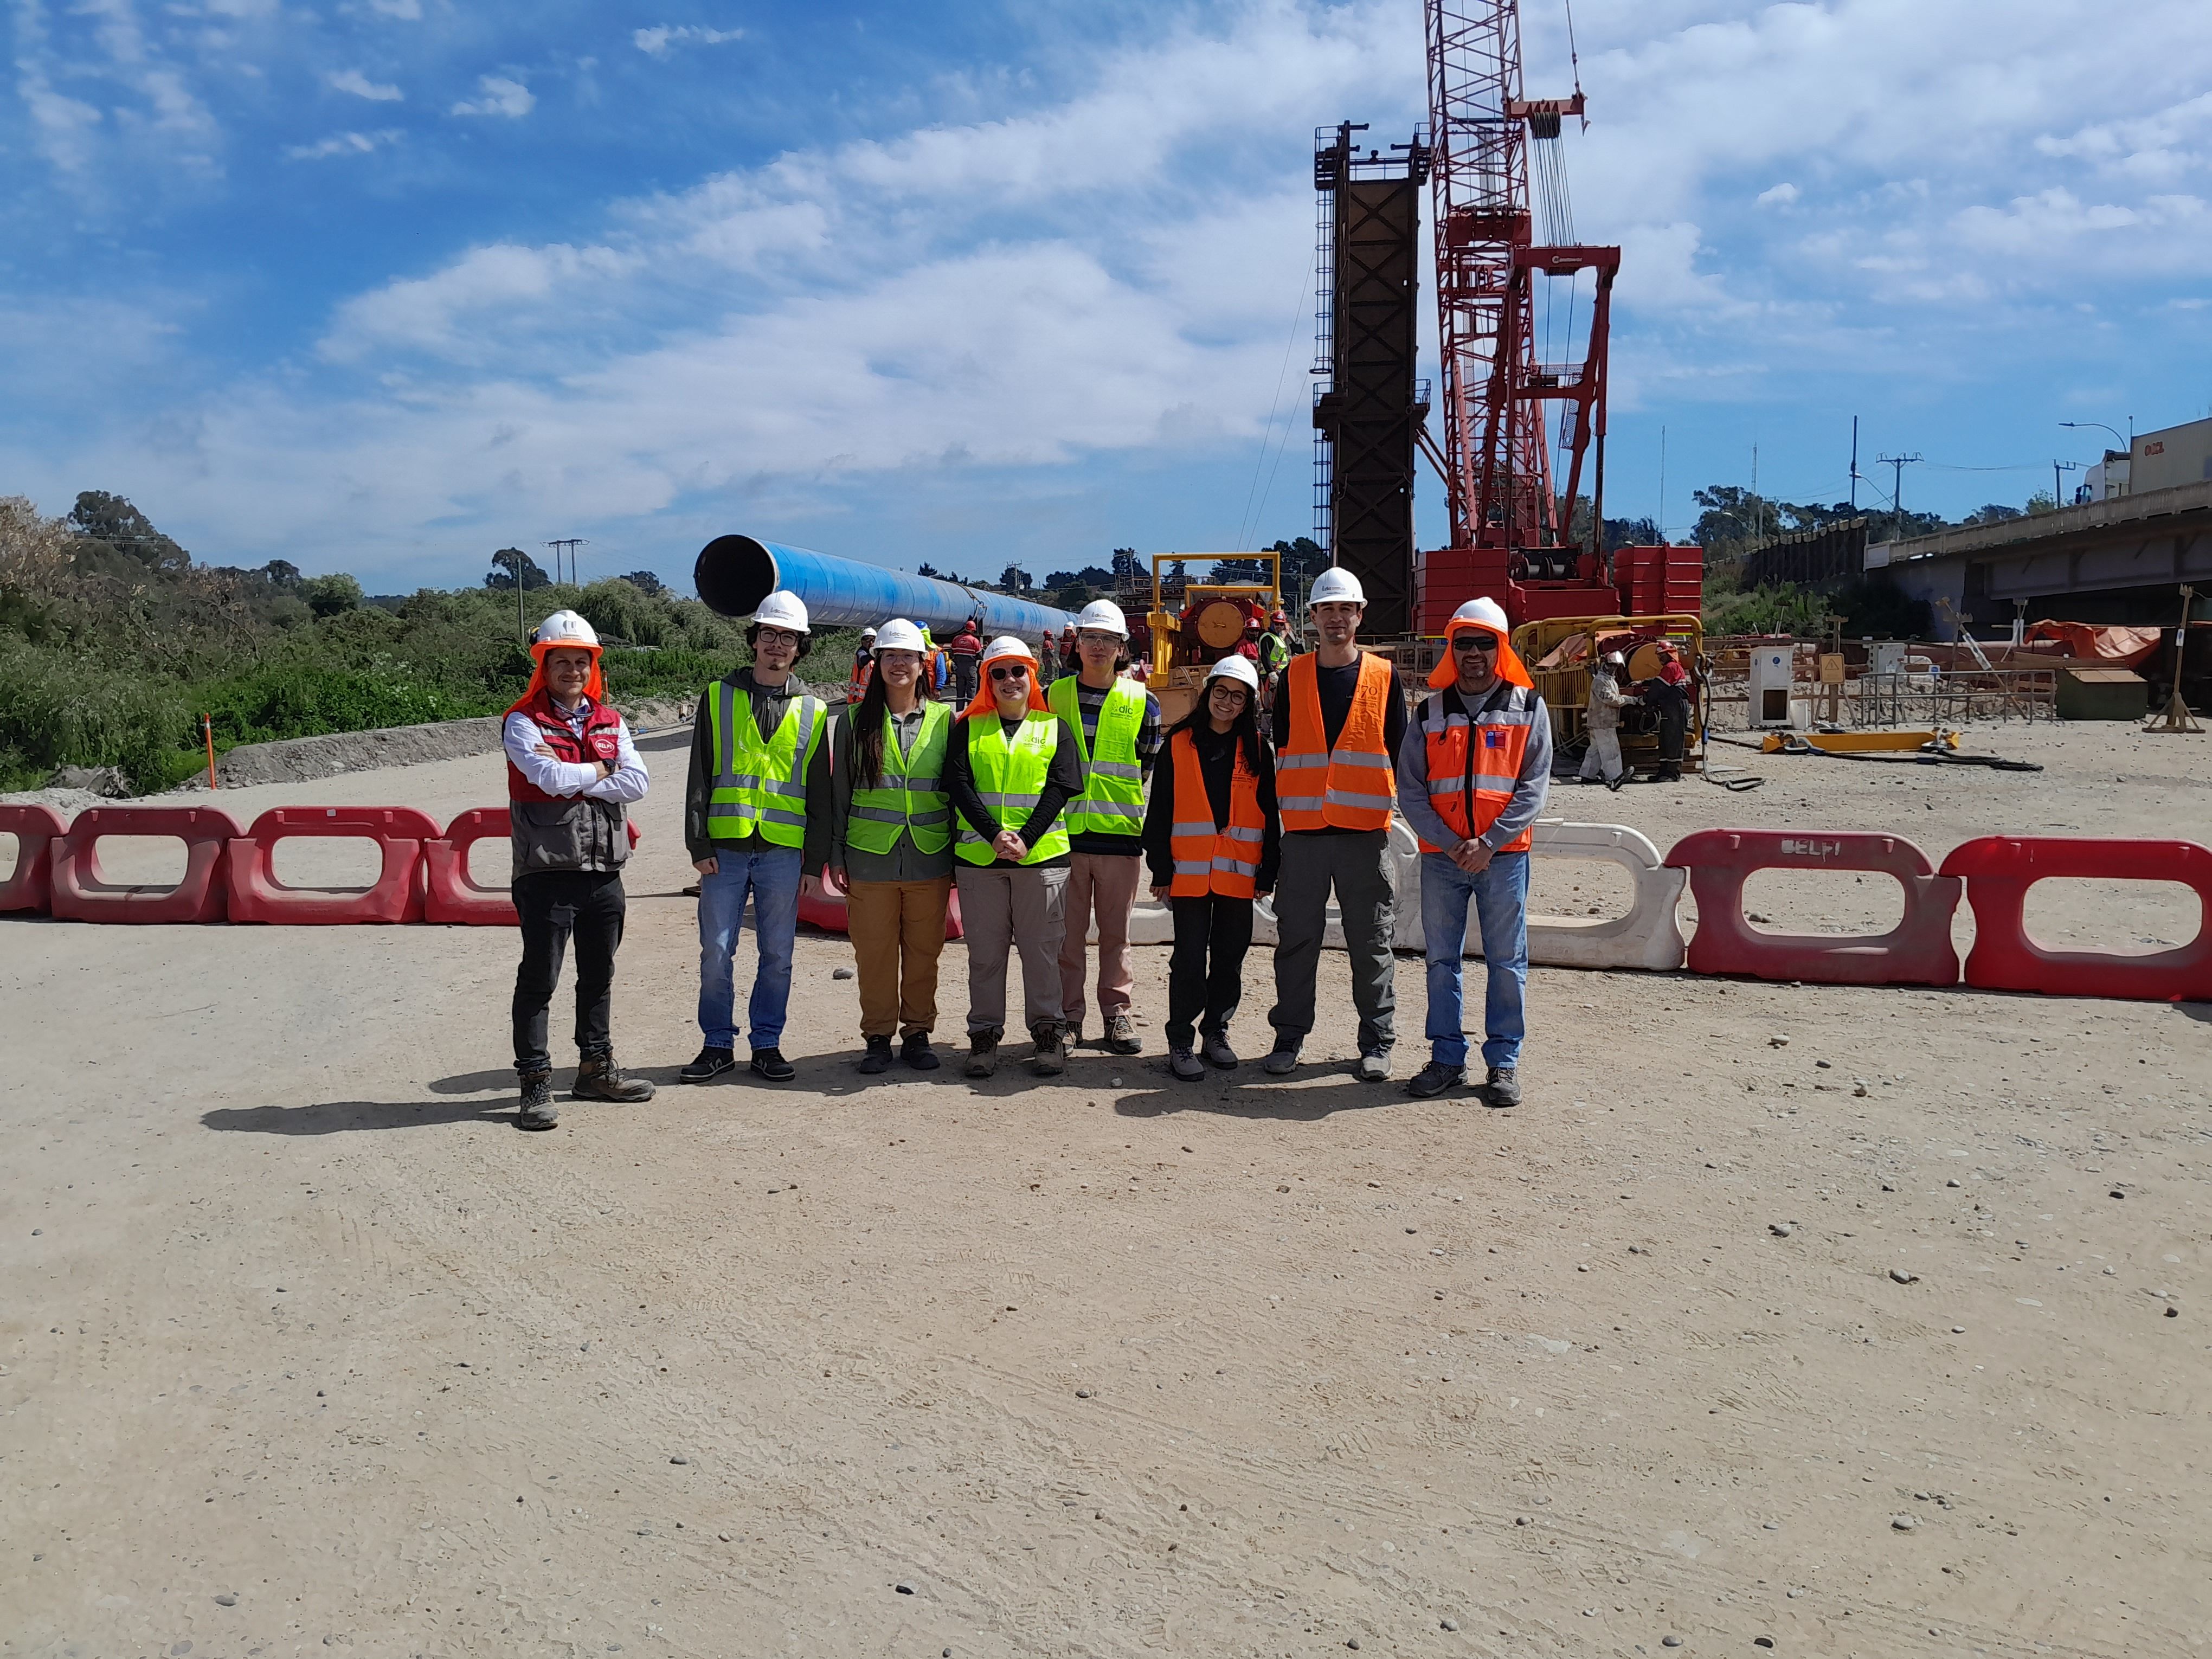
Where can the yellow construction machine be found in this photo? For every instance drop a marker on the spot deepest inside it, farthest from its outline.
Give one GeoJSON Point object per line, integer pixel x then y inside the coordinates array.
{"type": "Point", "coordinates": [1558, 653]}
{"type": "Point", "coordinates": [1191, 624]}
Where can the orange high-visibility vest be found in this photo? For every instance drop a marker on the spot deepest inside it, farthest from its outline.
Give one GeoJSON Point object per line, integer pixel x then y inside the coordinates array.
{"type": "Point", "coordinates": [1474, 760]}
{"type": "Point", "coordinates": [1347, 787]}
{"type": "Point", "coordinates": [1208, 858]}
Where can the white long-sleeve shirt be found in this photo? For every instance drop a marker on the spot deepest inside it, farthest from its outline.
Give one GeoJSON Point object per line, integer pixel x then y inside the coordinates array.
{"type": "Point", "coordinates": [627, 782]}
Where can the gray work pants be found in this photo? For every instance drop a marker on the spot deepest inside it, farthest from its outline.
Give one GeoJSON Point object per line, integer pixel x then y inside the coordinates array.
{"type": "Point", "coordinates": [1005, 907]}
{"type": "Point", "coordinates": [1358, 866]}
{"type": "Point", "coordinates": [1603, 755]}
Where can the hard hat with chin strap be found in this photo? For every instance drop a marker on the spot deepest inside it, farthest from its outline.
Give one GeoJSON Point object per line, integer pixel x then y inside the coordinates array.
{"type": "Point", "coordinates": [899, 634]}
{"type": "Point", "coordinates": [1336, 583]}
{"type": "Point", "coordinates": [1105, 616]}
{"type": "Point", "coordinates": [782, 609]}
{"type": "Point", "coordinates": [1237, 668]}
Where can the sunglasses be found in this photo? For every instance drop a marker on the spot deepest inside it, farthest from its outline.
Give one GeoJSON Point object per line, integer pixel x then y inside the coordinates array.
{"type": "Point", "coordinates": [1485, 643]}
{"type": "Point", "coordinates": [1015, 673]}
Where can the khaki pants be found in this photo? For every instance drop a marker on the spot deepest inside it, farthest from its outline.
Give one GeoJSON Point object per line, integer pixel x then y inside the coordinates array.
{"type": "Point", "coordinates": [1003, 907]}
{"type": "Point", "coordinates": [897, 930]}
{"type": "Point", "coordinates": [1103, 883]}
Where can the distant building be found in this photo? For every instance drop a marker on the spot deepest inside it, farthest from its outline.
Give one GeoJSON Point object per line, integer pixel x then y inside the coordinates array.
{"type": "Point", "coordinates": [2165, 460]}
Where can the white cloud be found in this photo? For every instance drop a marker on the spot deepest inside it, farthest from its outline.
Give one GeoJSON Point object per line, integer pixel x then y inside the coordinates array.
{"type": "Point", "coordinates": [456, 312]}
{"type": "Point", "coordinates": [1781, 195]}
{"type": "Point", "coordinates": [501, 96]}
{"type": "Point", "coordinates": [654, 42]}
{"type": "Point", "coordinates": [406, 10]}
{"type": "Point", "coordinates": [360, 85]}
{"type": "Point", "coordinates": [343, 143]}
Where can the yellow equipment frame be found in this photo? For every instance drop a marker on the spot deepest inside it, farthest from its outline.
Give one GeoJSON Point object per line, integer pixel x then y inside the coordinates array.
{"type": "Point", "coordinates": [1566, 690]}
{"type": "Point", "coordinates": [1180, 684]}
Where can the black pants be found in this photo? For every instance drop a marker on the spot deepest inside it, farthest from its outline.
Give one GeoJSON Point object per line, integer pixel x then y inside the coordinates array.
{"type": "Point", "coordinates": [1206, 975]}
{"type": "Point", "coordinates": [556, 905]}
{"type": "Point", "coordinates": [963, 680]}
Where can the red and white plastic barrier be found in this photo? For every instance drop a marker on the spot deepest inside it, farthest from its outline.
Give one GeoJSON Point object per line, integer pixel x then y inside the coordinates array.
{"type": "Point", "coordinates": [81, 893]}
{"type": "Point", "coordinates": [826, 909]}
{"type": "Point", "coordinates": [399, 833]}
{"type": "Point", "coordinates": [1998, 870]}
{"type": "Point", "coordinates": [29, 886]}
{"type": "Point", "coordinates": [1916, 951]}
{"type": "Point", "coordinates": [455, 897]}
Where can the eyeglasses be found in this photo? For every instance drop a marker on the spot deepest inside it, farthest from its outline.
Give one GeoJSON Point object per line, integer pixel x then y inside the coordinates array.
{"type": "Point", "coordinates": [1231, 689]}
{"type": "Point", "coordinates": [1095, 636]}
{"type": "Point", "coordinates": [777, 636]}
{"type": "Point", "coordinates": [1476, 641]}
{"type": "Point", "coordinates": [1017, 672]}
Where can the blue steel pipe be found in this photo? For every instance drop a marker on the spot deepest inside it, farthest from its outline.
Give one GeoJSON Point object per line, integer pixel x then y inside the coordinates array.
{"type": "Point", "coordinates": [734, 574]}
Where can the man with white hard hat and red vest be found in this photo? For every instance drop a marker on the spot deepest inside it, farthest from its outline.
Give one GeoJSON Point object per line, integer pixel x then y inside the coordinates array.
{"type": "Point", "coordinates": [571, 772]}
{"type": "Point", "coordinates": [1115, 723]}
{"type": "Point", "coordinates": [1337, 724]}
{"type": "Point", "coordinates": [1473, 773]}
{"type": "Point", "coordinates": [758, 812]}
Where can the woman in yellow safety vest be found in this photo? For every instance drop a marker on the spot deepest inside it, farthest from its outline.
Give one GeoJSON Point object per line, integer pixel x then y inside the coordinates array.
{"type": "Point", "coordinates": [1211, 840]}
{"type": "Point", "coordinates": [891, 845]}
{"type": "Point", "coordinates": [1011, 765]}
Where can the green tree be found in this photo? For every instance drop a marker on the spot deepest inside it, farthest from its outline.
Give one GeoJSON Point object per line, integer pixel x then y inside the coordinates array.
{"type": "Point", "coordinates": [101, 517]}
{"type": "Point", "coordinates": [332, 595]}
{"type": "Point", "coordinates": [510, 563]}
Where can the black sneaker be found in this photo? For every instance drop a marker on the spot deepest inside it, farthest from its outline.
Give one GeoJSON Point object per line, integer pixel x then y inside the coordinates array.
{"type": "Point", "coordinates": [917, 1053]}
{"type": "Point", "coordinates": [1214, 1045]}
{"type": "Point", "coordinates": [769, 1063]}
{"type": "Point", "coordinates": [597, 1077]}
{"type": "Point", "coordinates": [538, 1109]}
{"type": "Point", "coordinates": [1049, 1058]}
{"type": "Point", "coordinates": [710, 1064]}
{"type": "Point", "coordinates": [1502, 1087]}
{"type": "Point", "coordinates": [1434, 1078]}
{"type": "Point", "coordinates": [879, 1057]}
{"type": "Point", "coordinates": [1284, 1059]}
{"type": "Point", "coordinates": [1185, 1065]}
{"type": "Point", "coordinates": [982, 1053]}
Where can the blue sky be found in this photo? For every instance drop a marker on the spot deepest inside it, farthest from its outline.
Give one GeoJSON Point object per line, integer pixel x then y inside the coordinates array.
{"type": "Point", "coordinates": [386, 284]}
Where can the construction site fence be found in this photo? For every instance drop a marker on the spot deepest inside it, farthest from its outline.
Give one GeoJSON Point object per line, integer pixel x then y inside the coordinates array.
{"type": "Point", "coordinates": [423, 878]}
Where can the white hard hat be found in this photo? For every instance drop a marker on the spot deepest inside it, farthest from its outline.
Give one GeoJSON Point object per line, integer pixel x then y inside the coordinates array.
{"type": "Point", "coordinates": [782, 609]}
{"type": "Point", "coordinates": [1614, 660]}
{"type": "Point", "coordinates": [1488, 612]}
{"type": "Point", "coordinates": [1106, 617]}
{"type": "Point", "coordinates": [1234, 667]}
{"type": "Point", "coordinates": [898, 635]}
{"type": "Point", "coordinates": [1006, 644]}
{"type": "Point", "coordinates": [1335, 583]}
{"type": "Point", "coordinates": [565, 627]}
{"type": "Point", "coordinates": [867, 633]}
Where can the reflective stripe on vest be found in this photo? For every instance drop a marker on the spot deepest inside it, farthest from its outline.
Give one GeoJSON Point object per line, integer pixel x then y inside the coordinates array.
{"type": "Point", "coordinates": [1010, 777]}
{"type": "Point", "coordinates": [1209, 858]}
{"type": "Point", "coordinates": [1113, 799]}
{"type": "Point", "coordinates": [760, 785]}
{"type": "Point", "coordinates": [911, 800]}
{"type": "Point", "coordinates": [1351, 787]}
{"type": "Point", "coordinates": [1497, 740]}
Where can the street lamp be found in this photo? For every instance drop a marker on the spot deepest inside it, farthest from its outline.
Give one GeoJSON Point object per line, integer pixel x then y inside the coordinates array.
{"type": "Point", "coordinates": [2114, 430]}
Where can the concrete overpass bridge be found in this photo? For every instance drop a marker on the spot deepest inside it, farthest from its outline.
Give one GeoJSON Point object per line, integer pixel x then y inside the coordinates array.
{"type": "Point", "coordinates": [2115, 561]}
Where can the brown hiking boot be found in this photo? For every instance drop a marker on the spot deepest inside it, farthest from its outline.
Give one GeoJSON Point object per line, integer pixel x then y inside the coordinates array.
{"type": "Point", "coordinates": [982, 1053]}
{"type": "Point", "coordinates": [600, 1078]}
{"type": "Point", "coordinates": [1050, 1059]}
{"type": "Point", "coordinates": [538, 1111]}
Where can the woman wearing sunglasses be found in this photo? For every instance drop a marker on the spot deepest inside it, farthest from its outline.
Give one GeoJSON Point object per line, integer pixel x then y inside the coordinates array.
{"type": "Point", "coordinates": [1473, 773]}
{"type": "Point", "coordinates": [1011, 766]}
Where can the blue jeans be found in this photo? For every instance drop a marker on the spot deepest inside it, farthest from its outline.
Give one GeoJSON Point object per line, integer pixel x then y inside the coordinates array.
{"type": "Point", "coordinates": [1500, 894]}
{"type": "Point", "coordinates": [770, 874]}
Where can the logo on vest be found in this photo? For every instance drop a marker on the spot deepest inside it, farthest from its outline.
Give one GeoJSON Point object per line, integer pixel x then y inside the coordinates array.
{"type": "Point", "coordinates": [1494, 738]}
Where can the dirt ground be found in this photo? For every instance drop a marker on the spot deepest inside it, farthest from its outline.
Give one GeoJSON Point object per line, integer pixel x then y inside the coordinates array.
{"type": "Point", "coordinates": [303, 1346]}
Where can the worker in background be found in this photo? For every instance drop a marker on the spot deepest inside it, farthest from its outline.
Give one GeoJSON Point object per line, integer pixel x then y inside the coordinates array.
{"type": "Point", "coordinates": [890, 847]}
{"type": "Point", "coordinates": [1011, 766]}
{"type": "Point", "coordinates": [1336, 727]}
{"type": "Point", "coordinates": [1071, 659]}
{"type": "Point", "coordinates": [1211, 839]}
{"type": "Point", "coordinates": [1601, 720]}
{"type": "Point", "coordinates": [966, 646]}
{"type": "Point", "coordinates": [757, 821]}
{"type": "Point", "coordinates": [1670, 695]}
{"type": "Point", "coordinates": [1473, 773]}
{"type": "Point", "coordinates": [863, 655]}
{"type": "Point", "coordinates": [1249, 646]}
{"type": "Point", "coordinates": [1274, 657]}
{"type": "Point", "coordinates": [1047, 661]}
{"type": "Point", "coordinates": [1116, 727]}
{"type": "Point", "coordinates": [571, 773]}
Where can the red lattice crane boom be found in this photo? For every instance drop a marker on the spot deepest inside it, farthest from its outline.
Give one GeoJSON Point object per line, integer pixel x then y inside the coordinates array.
{"type": "Point", "coordinates": [1513, 525]}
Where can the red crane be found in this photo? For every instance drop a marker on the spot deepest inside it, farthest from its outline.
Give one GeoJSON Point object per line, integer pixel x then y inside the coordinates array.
{"type": "Point", "coordinates": [1512, 528]}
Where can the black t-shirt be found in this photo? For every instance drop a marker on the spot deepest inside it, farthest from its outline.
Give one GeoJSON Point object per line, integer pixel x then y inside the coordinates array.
{"type": "Point", "coordinates": [1333, 688]}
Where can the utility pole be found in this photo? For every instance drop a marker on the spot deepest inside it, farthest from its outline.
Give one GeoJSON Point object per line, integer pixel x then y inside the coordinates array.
{"type": "Point", "coordinates": [1663, 484]}
{"type": "Point", "coordinates": [1855, 466]}
{"type": "Point", "coordinates": [2058, 499]}
{"type": "Point", "coordinates": [570, 543]}
{"type": "Point", "coordinates": [1897, 464]}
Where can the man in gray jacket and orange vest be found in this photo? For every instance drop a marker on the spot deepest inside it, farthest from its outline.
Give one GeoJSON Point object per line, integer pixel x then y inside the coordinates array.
{"type": "Point", "coordinates": [1473, 770]}
{"type": "Point", "coordinates": [571, 771]}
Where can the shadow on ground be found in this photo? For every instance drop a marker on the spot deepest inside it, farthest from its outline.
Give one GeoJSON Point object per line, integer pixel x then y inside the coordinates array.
{"type": "Point", "coordinates": [332, 1117]}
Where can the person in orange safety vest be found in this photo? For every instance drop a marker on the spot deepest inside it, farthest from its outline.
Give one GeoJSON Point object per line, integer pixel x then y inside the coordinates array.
{"type": "Point", "coordinates": [1473, 770]}
{"type": "Point", "coordinates": [1337, 722]}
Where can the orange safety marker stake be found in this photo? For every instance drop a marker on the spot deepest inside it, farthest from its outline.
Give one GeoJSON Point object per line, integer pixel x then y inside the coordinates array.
{"type": "Point", "coordinates": [207, 725]}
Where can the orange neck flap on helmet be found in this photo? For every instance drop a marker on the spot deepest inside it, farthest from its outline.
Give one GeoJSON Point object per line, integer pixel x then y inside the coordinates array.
{"type": "Point", "coordinates": [1510, 667]}
{"type": "Point", "coordinates": [595, 688]}
{"type": "Point", "coordinates": [987, 701]}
